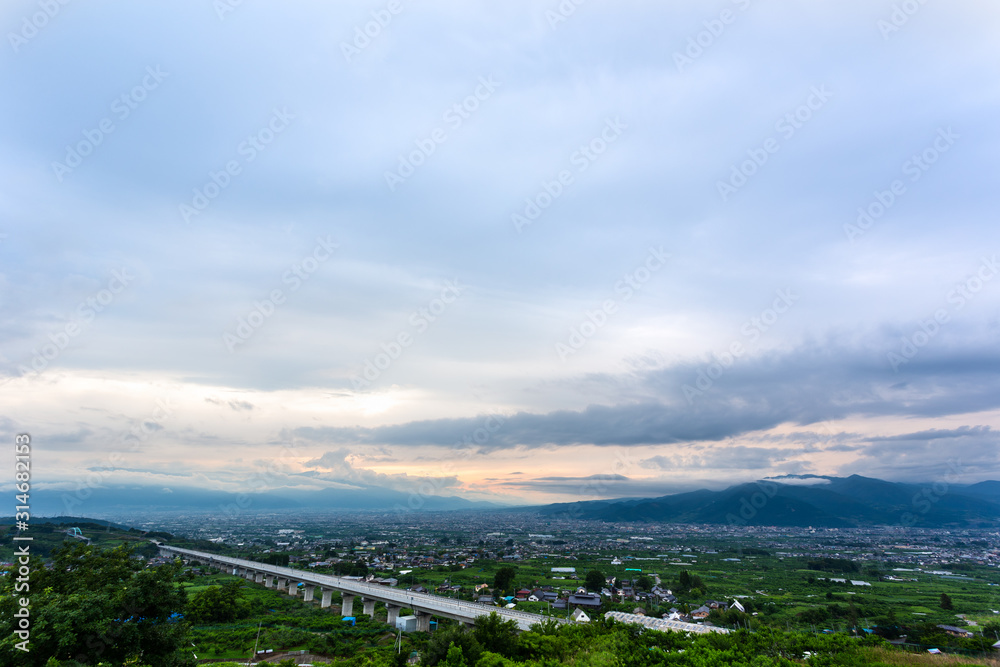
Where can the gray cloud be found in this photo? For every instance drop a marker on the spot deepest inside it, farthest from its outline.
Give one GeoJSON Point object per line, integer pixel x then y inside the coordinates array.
{"type": "Point", "coordinates": [235, 405]}
{"type": "Point", "coordinates": [658, 184]}
{"type": "Point", "coordinates": [334, 466]}
{"type": "Point", "coordinates": [806, 385]}
{"type": "Point", "coordinates": [727, 458]}
{"type": "Point", "coordinates": [70, 440]}
{"type": "Point", "coordinates": [939, 434]}
{"type": "Point", "coordinates": [932, 454]}
{"type": "Point", "coordinates": [594, 486]}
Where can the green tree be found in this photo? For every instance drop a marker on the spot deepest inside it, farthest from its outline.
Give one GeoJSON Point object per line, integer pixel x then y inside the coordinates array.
{"type": "Point", "coordinates": [454, 658]}
{"type": "Point", "coordinates": [690, 583]}
{"type": "Point", "coordinates": [814, 616]}
{"type": "Point", "coordinates": [946, 603]}
{"type": "Point", "coordinates": [440, 646]}
{"type": "Point", "coordinates": [356, 569]}
{"type": "Point", "coordinates": [503, 580]}
{"type": "Point", "coordinates": [992, 629]}
{"type": "Point", "coordinates": [218, 604]}
{"type": "Point", "coordinates": [644, 582]}
{"type": "Point", "coordinates": [594, 581]}
{"type": "Point", "coordinates": [493, 660]}
{"type": "Point", "coordinates": [495, 634]}
{"type": "Point", "coordinates": [96, 606]}
{"type": "Point", "coordinates": [274, 559]}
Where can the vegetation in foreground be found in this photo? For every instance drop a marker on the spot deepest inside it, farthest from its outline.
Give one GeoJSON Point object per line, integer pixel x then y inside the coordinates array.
{"type": "Point", "coordinates": [100, 606]}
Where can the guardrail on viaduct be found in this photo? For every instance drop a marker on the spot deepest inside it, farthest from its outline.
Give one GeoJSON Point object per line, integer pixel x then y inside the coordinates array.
{"type": "Point", "coordinates": [424, 605]}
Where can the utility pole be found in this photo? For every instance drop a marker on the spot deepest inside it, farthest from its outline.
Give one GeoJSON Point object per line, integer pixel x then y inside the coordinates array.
{"type": "Point", "coordinates": [255, 644]}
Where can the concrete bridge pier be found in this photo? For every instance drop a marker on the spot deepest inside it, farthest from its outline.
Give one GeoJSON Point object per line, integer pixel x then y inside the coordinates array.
{"type": "Point", "coordinates": [276, 578]}
{"type": "Point", "coordinates": [393, 613]}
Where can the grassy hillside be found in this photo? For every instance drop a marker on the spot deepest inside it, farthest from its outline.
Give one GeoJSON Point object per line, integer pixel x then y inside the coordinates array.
{"type": "Point", "coordinates": [49, 535]}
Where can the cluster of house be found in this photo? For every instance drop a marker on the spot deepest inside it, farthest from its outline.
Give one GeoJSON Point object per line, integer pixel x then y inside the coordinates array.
{"type": "Point", "coordinates": [957, 632]}
{"type": "Point", "coordinates": [386, 561]}
{"type": "Point", "coordinates": [581, 601]}
{"type": "Point", "coordinates": [544, 594]}
{"type": "Point", "coordinates": [703, 612]}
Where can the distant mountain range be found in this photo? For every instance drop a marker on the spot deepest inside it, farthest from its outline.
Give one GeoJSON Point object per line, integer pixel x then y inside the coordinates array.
{"type": "Point", "coordinates": [120, 499]}
{"type": "Point", "coordinates": [794, 500]}
{"type": "Point", "coordinates": [808, 500]}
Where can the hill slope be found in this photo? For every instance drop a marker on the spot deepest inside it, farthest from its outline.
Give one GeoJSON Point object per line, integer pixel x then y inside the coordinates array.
{"type": "Point", "coordinates": [831, 502]}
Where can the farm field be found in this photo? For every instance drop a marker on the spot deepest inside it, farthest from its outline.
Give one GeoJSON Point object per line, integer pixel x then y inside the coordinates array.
{"type": "Point", "coordinates": [805, 590]}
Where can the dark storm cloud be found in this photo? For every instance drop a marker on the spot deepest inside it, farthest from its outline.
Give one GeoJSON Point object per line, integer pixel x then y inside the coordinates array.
{"type": "Point", "coordinates": [807, 385]}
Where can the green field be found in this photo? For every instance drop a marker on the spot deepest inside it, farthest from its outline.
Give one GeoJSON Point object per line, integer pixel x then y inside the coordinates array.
{"type": "Point", "coordinates": [782, 592]}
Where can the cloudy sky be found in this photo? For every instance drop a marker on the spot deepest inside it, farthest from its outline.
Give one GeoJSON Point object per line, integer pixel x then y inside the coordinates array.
{"type": "Point", "coordinates": [535, 251]}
